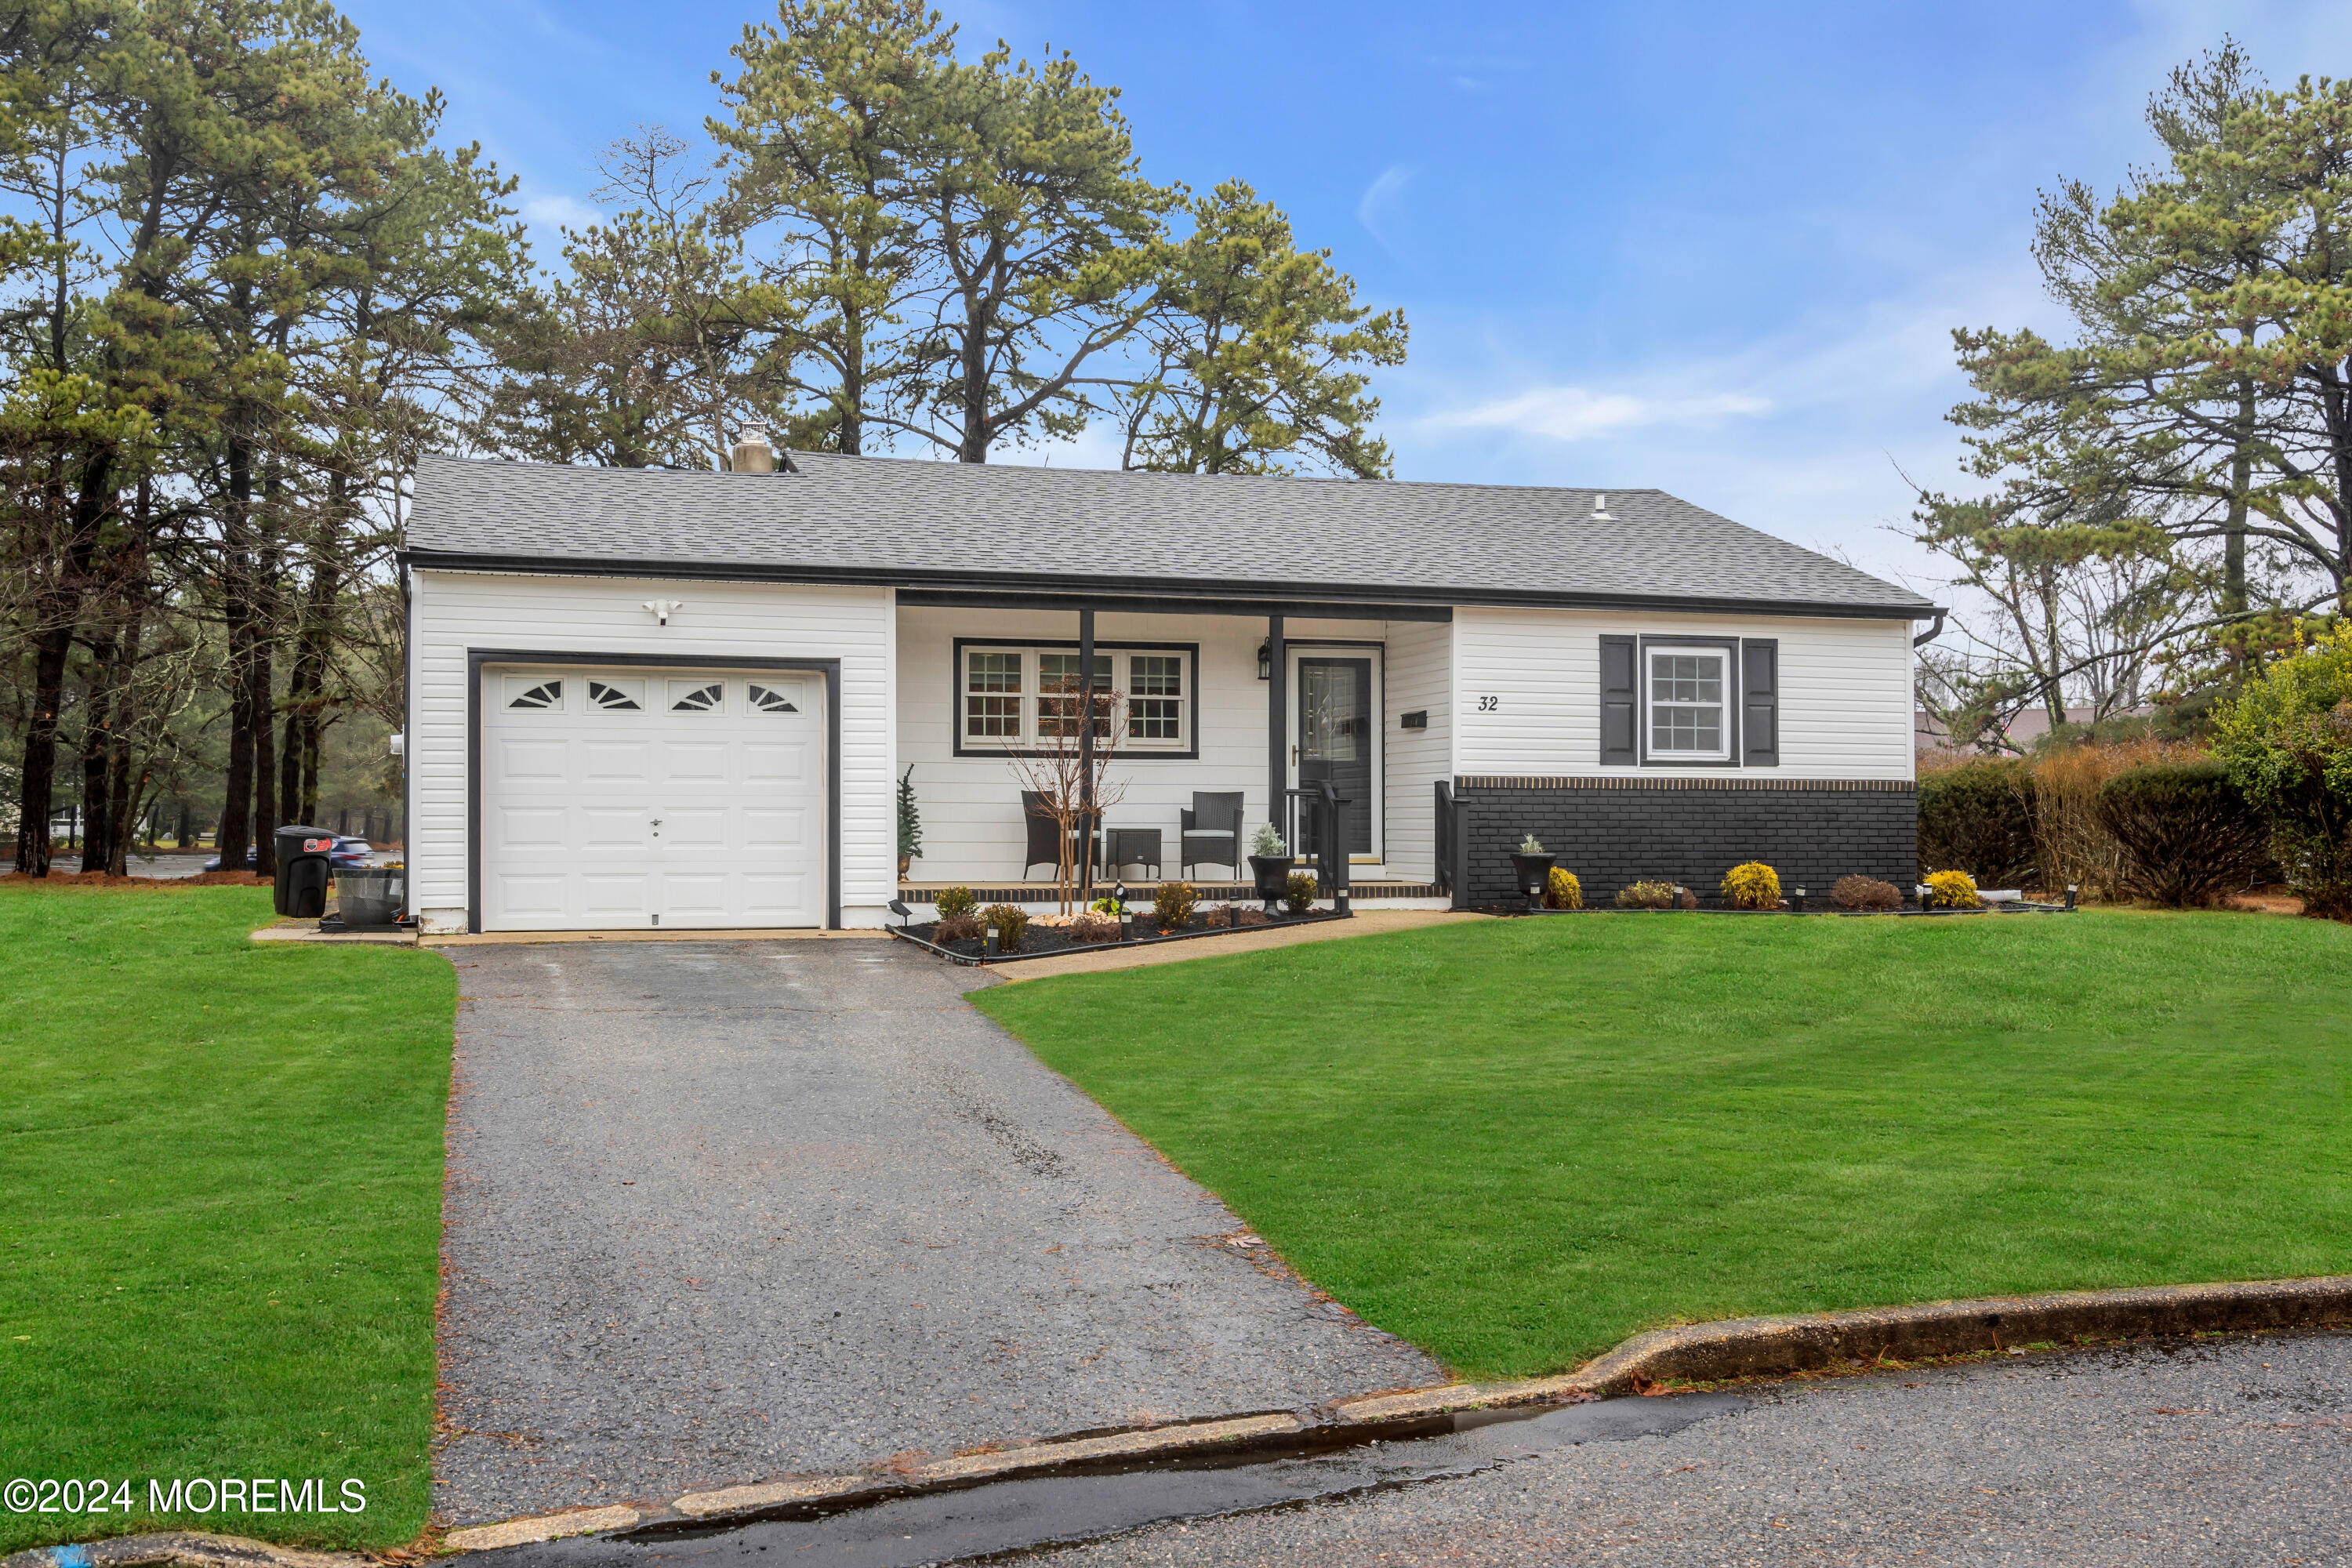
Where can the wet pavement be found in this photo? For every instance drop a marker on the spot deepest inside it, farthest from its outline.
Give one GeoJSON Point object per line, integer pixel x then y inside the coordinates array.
{"type": "Point", "coordinates": [2218, 1451]}
{"type": "Point", "coordinates": [2215, 1453]}
{"type": "Point", "coordinates": [722, 1211]}
{"type": "Point", "coordinates": [1011, 1515]}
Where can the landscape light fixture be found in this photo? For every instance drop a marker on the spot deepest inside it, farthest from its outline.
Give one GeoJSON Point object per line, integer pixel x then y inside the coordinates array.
{"type": "Point", "coordinates": [905, 916]}
{"type": "Point", "coordinates": [2072, 887]}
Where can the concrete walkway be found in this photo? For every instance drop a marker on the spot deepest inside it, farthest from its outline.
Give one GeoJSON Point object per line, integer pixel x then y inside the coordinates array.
{"type": "Point", "coordinates": [1371, 922]}
{"type": "Point", "coordinates": [722, 1211]}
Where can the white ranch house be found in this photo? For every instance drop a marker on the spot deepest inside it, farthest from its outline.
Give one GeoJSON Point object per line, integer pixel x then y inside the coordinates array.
{"type": "Point", "coordinates": [646, 697]}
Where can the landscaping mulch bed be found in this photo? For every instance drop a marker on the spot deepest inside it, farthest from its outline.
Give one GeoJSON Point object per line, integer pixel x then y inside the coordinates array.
{"type": "Point", "coordinates": [1047, 942]}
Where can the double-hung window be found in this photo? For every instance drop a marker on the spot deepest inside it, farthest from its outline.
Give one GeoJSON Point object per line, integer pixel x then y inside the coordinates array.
{"type": "Point", "coordinates": [1689, 719]}
{"type": "Point", "coordinates": [992, 705]}
{"type": "Point", "coordinates": [1009, 697]}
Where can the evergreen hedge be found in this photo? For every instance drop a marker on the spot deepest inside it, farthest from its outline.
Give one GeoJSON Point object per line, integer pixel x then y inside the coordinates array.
{"type": "Point", "coordinates": [2189, 837]}
{"type": "Point", "coordinates": [1978, 818]}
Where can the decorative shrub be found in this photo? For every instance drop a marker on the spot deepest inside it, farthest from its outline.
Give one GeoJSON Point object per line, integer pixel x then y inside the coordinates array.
{"type": "Point", "coordinates": [1252, 918]}
{"type": "Point", "coordinates": [1109, 906]}
{"type": "Point", "coordinates": [1009, 921]}
{"type": "Point", "coordinates": [1981, 815]}
{"type": "Point", "coordinates": [1172, 906]}
{"type": "Point", "coordinates": [1951, 890]}
{"type": "Point", "coordinates": [955, 902]}
{"type": "Point", "coordinates": [1753, 885]}
{"type": "Point", "coordinates": [1646, 896]}
{"type": "Point", "coordinates": [2076, 846]}
{"type": "Point", "coordinates": [1267, 840]}
{"type": "Point", "coordinates": [1865, 893]}
{"type": "Point", "coordinates": [1298, 893]}
{"type": "Point", "coordinates": [957, 928]}
{"type": "Point", "coordinates": [1092, 927]}
{"type": "Point", "coordinates": [2287, 741]}
{"type": "Point", "coordinates": [1562, 891]}
{"type": "Point", "coordinates": [2189, 838]}
{"type": "Point", "coordinates": [911, 816]}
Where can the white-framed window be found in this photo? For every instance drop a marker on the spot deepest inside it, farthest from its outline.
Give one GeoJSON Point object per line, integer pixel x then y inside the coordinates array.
{"type": "Point", "coordinates": [1009, 696]}
{"type": "Point", "coordinates": [617, 695]}
{"type": "Point", "coordinates": [774, 697]}
{"type": "Point", "coordinates": [535, 693]}
{"type": "Point", "coordinates": [1688, 714]}
{"type": "Point", "coordinates": [698, 696]}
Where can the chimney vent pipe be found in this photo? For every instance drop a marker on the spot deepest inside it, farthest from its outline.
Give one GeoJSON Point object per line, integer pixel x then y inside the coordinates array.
{"type": "Point", "coordinates": [752, 455]}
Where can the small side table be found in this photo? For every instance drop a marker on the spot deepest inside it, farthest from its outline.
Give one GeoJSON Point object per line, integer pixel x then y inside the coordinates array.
{"type": "Point", "coordinates": [1124, 846]}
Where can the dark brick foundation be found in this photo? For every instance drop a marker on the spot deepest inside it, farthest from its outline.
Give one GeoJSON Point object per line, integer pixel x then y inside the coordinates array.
{"type": "Point", "coordinates": [1611, 832]}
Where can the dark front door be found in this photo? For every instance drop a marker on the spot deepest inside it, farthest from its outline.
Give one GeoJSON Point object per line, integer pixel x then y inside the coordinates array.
{"type": "Point", "coordinates": [1335, 743]}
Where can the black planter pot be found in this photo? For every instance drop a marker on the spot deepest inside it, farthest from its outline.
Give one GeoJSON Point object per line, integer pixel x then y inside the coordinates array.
{"type": "Point", "coordinates": [1272, 873]}
{"type": "Point", "coordinates": [1533, 871]}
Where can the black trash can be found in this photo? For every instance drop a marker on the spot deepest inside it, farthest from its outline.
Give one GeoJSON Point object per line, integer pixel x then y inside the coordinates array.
{"type": "Point", "coordinates": [302, 868]}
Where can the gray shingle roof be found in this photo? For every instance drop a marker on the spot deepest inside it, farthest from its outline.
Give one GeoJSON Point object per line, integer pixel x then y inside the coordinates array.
{"type": "Point", "coordinates": [920, 523]}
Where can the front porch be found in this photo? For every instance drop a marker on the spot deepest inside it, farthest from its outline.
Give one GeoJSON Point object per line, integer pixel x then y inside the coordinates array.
{"type": "Point", "coordinates": [1248, 709]}
{"type": "Point", "coordinates": [1376, 891]}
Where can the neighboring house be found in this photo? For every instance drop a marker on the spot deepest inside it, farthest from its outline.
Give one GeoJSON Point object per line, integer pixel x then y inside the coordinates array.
{"type": "Point", "coordinates": [645, 697]}
{"type": "Point", "coordinates": [2023, 731]}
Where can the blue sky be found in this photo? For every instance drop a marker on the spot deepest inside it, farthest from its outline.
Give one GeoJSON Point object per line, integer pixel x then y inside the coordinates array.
{"type": "Point", "coordinates": [1715, 248]}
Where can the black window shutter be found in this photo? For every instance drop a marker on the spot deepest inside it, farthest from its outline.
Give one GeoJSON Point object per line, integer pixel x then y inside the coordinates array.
{"type": "Point", "coordinates": [1759, 686]}
{"type": "Point", "coordinates": [1620, 702]}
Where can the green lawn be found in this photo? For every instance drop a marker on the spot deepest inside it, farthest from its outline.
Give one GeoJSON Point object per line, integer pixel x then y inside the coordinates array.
{"type": "Point", "coordinates": [1516, 1142]}
{"type": "Point", "coordinates": [220, 1210]}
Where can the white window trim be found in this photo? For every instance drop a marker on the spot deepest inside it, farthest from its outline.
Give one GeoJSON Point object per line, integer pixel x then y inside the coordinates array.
{"type": "Point", "coordinates": [1725, 662]}
{"type": "Point", "coordinates": [1033, 690]}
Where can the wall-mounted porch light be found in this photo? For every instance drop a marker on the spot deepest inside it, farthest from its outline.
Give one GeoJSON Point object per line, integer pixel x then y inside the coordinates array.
{"type": "Point", "coordinates": [1264, 662]}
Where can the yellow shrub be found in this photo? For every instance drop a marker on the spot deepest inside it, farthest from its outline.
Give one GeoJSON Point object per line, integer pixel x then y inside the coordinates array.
{"type": "Point", "coordinates": [1951, 889]}
{"type": "Point", "coordinates": [1562, 891]}
{"type": "Point", "coordinates": [1754, 886]}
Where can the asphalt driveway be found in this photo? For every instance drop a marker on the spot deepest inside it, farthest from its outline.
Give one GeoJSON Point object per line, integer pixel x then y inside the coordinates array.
{"type": "Point", "coordinates": [718, 1212]}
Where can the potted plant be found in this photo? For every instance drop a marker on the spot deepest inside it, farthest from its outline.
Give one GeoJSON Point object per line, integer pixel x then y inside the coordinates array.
{"type": "Point", "coordinates": [1533, 866]}
{"type": "Point", "coordinates": [910, 823]}
{"type": "Point", "coordinates": [1270, 863]}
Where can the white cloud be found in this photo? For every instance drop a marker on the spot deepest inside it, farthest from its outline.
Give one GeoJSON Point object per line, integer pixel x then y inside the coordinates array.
{"type": "Point", "coordinates": [1382, 200]}
{"type": "Point", "coordinates": [570, 212]}
{"type": "Point", "coordinates": [1579, 414]}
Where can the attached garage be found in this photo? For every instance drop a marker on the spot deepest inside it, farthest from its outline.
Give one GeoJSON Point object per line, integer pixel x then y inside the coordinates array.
{"type": "Point", "coordinates": [619, 797]}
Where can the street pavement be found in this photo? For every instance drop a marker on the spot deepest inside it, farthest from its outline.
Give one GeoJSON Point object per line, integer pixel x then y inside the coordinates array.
{"type": "Point", "coordinates": [2212, 1452]}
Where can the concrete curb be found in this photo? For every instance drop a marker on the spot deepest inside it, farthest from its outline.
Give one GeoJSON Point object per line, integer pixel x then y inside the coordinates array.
{"type": "Point", "coordinates": [1775, 1346]}
{"type": "Point", "coordinates": [1695, 1353]}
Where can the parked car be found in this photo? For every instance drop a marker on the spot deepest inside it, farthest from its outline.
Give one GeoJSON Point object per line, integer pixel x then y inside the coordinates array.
{"type": "Point", "coordinates": [346, 852]}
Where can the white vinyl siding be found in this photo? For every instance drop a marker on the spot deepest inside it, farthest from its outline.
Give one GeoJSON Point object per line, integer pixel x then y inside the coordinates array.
{"type": "Point", "coordinates": [1420, 680]}
{"type": "Point", "coordinates": [760, 625]}
{"type": "Point", "coordinates": [1527, 700]}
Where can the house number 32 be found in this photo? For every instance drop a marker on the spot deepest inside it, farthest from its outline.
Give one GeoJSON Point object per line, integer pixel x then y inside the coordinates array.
{"type": "Point", "coordinates": [1490, 705]}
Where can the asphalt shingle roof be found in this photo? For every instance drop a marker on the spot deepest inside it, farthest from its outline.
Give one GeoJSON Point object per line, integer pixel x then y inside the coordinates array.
{"type": "Point", "coordinates": [919, 523]}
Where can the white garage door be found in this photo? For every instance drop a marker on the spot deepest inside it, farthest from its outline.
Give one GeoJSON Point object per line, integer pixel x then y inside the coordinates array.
{"type": "Point", "coordinates": [625, 798]}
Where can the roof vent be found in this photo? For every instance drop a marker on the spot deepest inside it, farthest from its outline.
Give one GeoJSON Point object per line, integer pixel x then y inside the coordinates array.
{"type": "Point", "coordinates": [1600, 507]}
{"type": "Point", "coordinates": [752, 455]}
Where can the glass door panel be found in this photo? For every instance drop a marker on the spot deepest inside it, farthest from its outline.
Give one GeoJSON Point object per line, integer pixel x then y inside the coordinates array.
{"type": "Point", "coordinates": [1335, 744]}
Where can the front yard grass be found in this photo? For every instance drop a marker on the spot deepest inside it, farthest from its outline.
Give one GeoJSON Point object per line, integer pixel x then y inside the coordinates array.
{"type": "Point", "coordinates": [1514, 1143]}
{"type": "Point", "coordinates": [220, 1210]}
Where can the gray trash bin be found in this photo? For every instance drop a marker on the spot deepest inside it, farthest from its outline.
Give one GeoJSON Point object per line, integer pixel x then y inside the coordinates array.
{"type": "Point", "coordinates": [371, 895]}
